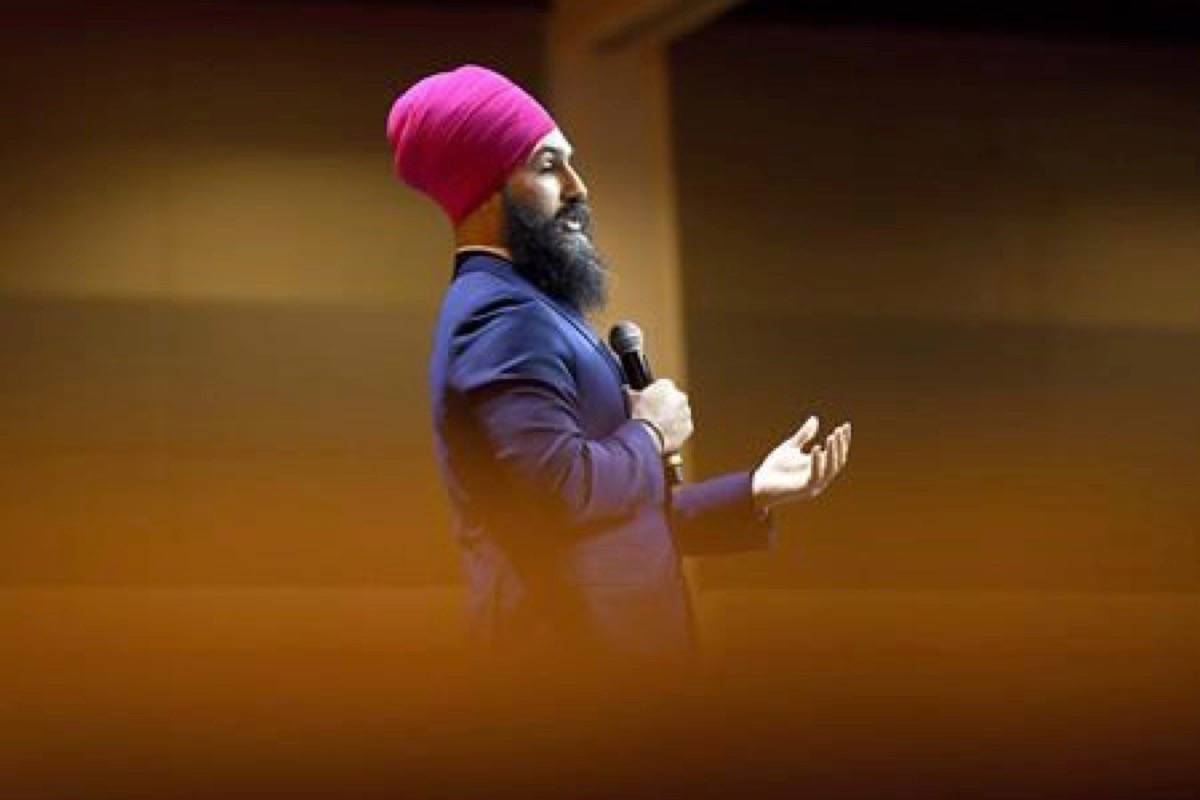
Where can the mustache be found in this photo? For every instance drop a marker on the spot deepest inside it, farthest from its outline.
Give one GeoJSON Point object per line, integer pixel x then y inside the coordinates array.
{"type": "Point", "coordinates": [577, 211]}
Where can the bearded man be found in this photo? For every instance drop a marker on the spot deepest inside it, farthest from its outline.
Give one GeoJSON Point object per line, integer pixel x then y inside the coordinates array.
{"type": "Point", "coordinates": [570, 533]}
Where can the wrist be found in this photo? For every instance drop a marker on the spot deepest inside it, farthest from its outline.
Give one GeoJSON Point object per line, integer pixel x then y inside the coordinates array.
{"type": "Point", "coordinates": [757, 493]}
{"type": "Point", "coordinates": [660, 439]}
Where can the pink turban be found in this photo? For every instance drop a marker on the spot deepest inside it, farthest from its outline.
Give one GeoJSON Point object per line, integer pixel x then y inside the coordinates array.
{"type": "Point", "coordinates": [457, 135]}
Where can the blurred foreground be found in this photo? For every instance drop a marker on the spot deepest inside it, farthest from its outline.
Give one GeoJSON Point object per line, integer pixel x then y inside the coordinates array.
{"type": "Point", "coordinates": [226, 693]}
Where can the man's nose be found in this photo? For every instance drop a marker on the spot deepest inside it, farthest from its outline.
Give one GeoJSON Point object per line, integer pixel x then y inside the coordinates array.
{"type": "Point", "coordinates": [574, 189]}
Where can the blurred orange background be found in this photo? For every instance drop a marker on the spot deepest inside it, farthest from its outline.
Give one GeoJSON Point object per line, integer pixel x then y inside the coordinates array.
{"type": "Point", "coordinates": [226, 559]}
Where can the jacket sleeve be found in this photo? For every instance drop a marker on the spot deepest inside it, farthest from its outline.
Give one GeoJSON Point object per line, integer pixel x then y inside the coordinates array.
{"type": "Point", "coordinates": [511, 366]}
{"type": "Point", "coordinates": [718, 516]}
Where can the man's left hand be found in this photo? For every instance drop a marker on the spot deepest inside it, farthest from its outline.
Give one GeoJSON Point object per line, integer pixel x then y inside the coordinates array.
{"type": "Point", "coordinates": [788, 473]}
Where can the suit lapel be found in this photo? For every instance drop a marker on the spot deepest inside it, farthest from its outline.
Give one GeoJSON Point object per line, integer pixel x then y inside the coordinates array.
{"type": "Point", "coordinates": [482, 262]}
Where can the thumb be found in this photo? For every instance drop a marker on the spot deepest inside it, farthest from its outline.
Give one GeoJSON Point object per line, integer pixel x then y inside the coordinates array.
{"type": "Point", "coordinates": [807, 431]}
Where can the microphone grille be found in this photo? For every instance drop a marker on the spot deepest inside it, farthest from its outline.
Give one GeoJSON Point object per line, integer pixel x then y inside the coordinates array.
{"type": "Point", "coordinates": [625, 337]}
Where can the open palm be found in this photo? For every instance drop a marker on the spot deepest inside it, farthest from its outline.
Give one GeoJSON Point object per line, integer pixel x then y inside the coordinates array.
{"type": "Point", "coordinates": [789, 473]}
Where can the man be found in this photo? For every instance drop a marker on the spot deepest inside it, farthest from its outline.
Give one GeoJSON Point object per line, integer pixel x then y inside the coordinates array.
{"type": "Point", "coordinates": [569, 531]}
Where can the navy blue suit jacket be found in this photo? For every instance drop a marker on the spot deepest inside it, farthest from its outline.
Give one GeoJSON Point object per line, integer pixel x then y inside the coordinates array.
{"type": "Point", "coordinates": [568, 528]}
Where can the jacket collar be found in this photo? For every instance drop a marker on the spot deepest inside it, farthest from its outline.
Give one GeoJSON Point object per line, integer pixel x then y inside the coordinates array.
{"type": "Point", "coordinates": [468, 261]}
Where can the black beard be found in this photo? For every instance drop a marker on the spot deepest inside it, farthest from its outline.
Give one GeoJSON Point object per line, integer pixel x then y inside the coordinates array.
{"type": "Point", "coordinates": [562, 264]}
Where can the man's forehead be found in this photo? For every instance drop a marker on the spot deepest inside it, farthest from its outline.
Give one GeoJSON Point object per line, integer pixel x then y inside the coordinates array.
{"type": "Point", "coordinates": [553, 142]}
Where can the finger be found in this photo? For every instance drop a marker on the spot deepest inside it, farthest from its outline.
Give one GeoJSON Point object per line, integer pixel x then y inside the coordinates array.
{"type": "Point", "coordinates": [843, 447]}
{"type": "Point", "coordinates": [818, 468]}
{"type": "Point", "coordinates": [833, 459]}
{"type": "Point", "coordinates": [807, 431]}
{"type": "Point", "coordinates": [837, 448]}
{"type": "Point", "coordinates": [835, 453]}
{"type": "Point", "coordinates": [826, 469]}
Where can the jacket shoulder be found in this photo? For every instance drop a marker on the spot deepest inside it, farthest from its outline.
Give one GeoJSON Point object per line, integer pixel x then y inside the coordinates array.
{"type": "Point", "coordinates": [480, 300]}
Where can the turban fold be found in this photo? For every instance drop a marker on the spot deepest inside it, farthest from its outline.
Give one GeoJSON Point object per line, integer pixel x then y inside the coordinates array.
{"type": "Point", "coordinates": [457, 135]}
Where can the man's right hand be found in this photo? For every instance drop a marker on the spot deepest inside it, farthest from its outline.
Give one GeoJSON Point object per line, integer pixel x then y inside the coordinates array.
{"type": "Point", "coordinates": [662, 404]}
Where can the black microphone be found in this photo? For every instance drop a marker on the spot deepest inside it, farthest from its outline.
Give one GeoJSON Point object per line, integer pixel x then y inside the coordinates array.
{"type": "Point", "coordinates": [625, 338]}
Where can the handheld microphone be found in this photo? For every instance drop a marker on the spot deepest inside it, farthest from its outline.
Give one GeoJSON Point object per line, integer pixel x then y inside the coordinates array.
{"type": "Point", "coordinates": [625, 338]}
